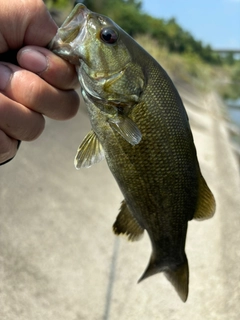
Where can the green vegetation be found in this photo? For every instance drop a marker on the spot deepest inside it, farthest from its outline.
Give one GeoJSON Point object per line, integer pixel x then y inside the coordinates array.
{"type": "Point", "coordinates": [232, 88]}
{"type": "Point", "coordinates": [128, 14]}
{"type": "Point", "coordinates": [57, 4]}
{"type": "Point", "coordinates": [176, 49]}
{"type": "Point", "coordinates": [190, 68]}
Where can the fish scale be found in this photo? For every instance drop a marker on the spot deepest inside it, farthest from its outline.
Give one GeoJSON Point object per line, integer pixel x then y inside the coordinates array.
{"type": "Point", "coordinates": [139, 124]}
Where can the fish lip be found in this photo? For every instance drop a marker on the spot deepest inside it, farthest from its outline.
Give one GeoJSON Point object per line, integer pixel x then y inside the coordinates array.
{"type": "Point", "coordinates": [80, 10]}
{"type": "Point", "coordinates": [72, 28]}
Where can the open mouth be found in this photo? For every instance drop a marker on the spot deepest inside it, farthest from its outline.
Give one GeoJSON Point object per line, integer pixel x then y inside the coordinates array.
{"type": "Point", "coordinates": [71, 33]}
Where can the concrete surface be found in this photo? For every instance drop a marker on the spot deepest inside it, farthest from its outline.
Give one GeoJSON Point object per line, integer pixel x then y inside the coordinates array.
{"type": "Point", "coordinates": [59, 259]}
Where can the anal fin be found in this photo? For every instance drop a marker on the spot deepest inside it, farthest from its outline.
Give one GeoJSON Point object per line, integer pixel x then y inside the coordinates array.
{"type": "Point", "coordinates": [127, 225]}
{"type": "Point", "coordinates": [89, 152]}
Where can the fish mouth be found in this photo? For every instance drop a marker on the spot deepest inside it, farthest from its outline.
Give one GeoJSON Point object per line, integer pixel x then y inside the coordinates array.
{"type": "Point", "coordinates": [72, 30]}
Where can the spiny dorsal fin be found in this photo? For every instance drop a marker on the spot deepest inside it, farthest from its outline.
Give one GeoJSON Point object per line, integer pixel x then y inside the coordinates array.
{"type": "Point", "coordinates": [126, 128]}
{"type": "Point", "coordinates": [89, 152]}
{"type": "Point", "coordinates": [127, 225]}
{"type": "Point", "coordinates": [206, 203]}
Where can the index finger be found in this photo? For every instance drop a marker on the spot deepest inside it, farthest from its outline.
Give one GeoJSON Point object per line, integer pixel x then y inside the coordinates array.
{"type": "Point", "coordinates": [53, 69]}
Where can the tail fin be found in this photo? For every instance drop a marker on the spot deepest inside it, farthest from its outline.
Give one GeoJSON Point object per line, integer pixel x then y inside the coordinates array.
{"type": "Point", "coordinates": [178, 275]}
{"type": "Point", "coordinates": [179, 278]}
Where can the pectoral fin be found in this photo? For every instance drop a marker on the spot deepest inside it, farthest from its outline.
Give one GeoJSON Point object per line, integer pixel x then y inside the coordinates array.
{"type": "Point", "coordinates": [126, 128]}
{"type": "Point", "coordinates": [89, 152]}
{"type": "Point", "coordinates": [127, 225]}
{"type": "Point", "coordinates": [206, 203]}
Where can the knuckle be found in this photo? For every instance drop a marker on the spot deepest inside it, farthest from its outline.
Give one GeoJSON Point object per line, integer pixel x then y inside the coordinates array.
{"type": "Point", "coordinates": [34, 89]}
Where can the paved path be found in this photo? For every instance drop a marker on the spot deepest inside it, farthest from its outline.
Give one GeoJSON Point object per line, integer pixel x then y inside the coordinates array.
{"type": "Point", "coordinates": [59, 259]}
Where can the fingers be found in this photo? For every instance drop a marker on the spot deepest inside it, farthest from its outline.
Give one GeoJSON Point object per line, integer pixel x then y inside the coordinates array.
{"type": "Point", "coordinates": [56, 71]}
{"type": "Point", "coordinates": [44, 87]}
{"type": "Point", "coordinates": [19, 122]}
{"type": "Point", "coordinates": [28, 89]}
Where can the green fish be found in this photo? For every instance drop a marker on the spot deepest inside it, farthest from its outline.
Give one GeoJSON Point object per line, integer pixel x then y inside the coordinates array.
{"type": "Point", "coordinates": [140, 126]}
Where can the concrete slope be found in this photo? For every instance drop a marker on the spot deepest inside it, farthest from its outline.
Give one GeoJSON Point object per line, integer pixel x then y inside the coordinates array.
{"type": "Point", "coordinates": [59, 259]}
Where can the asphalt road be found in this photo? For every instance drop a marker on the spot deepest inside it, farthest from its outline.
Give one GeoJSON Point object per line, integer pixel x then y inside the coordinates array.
{"type": "Point", "coordinates": [59, 259]}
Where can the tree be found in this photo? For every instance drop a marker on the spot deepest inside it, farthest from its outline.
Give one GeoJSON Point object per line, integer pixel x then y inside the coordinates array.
{"type": "Point", "coordinates": [128, 15]}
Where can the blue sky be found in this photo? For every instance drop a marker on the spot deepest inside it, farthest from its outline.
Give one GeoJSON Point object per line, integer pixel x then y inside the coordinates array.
{"type": "Point", "coordinates": [214, 22]}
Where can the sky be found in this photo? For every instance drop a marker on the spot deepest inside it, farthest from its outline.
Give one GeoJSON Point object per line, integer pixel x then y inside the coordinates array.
{"type": "Point", "coordinates": [214, 22]}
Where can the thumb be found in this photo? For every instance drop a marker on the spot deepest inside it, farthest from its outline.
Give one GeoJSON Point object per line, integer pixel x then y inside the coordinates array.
{"type": "Point", "coordinates": [41, 27]}
{"type": "Point", "coordinates": [25, 22]}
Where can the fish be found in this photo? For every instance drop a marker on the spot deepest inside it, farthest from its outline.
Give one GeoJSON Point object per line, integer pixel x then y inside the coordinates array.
{"type": "Point", "coordinates": [140, 126]}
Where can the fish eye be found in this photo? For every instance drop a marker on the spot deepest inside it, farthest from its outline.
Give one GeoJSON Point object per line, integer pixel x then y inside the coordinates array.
{"type": "Point", "coordinates": [109, 35]}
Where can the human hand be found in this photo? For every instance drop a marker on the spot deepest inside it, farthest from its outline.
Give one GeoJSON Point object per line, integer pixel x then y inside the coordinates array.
{"type": "Point", "coordinates": [42, 84]}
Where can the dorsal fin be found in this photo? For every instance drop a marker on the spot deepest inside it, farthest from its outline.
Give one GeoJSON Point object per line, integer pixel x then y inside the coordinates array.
{"type": "Point", "coordinates": [206, 203]}
{"type": "Point", "coordinates": [127, 225]}
{"type": "Point", "coordinates": [89, 152]}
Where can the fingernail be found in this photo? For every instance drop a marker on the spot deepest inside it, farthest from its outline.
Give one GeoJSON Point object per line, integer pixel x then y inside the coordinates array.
{"type": "Point", "coordinates": [33, 60]}
{"type": "Point", "coordinates": [5, 75]}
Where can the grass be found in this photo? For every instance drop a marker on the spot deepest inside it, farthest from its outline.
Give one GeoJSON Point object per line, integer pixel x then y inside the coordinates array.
{"type": "Point", "coordinates": [191, 69]}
